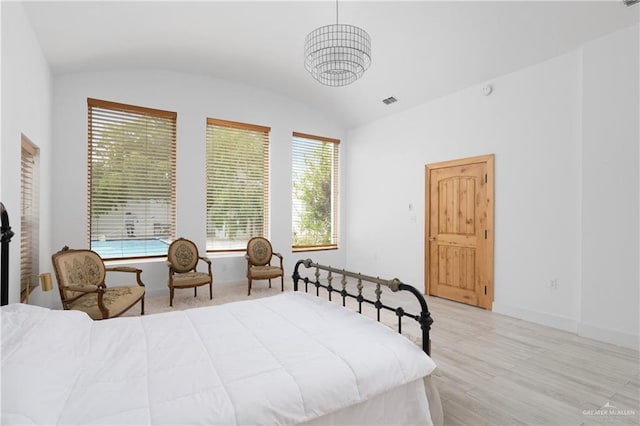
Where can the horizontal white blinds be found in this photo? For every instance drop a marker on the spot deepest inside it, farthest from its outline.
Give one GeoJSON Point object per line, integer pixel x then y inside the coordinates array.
{"type": "Point", "coordinates": [237, 184]}
{"type": "Point", "coordinates": [132, 167]}
{"type": "Point", "coordinates": [29, 219]}
{"type": "Point", "coordinates": [315, 168]}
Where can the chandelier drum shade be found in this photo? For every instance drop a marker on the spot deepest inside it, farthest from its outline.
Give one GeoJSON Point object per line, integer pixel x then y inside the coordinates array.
{"type": "Point", "coordinates": [338, 54]}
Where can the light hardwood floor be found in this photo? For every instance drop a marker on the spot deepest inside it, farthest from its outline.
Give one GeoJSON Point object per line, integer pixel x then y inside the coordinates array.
{"type": "Point", "coordinates": [497, 370]}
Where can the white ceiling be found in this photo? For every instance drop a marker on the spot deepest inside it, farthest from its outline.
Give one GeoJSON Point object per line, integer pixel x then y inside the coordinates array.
{"type": "Point", "coordinates": [421, 50]}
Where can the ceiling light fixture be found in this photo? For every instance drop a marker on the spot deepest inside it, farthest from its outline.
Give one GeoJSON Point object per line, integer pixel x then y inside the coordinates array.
{"type": "Point", "coordinates": [337, 54]}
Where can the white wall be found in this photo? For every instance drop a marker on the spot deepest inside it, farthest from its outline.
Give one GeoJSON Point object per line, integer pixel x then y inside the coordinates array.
{"type": "Point", "coordinates": [194, 98]}
{"type": "Point", "coordinates": [533, 123]}
{"type": "Point", "coordinates": [26, 109]}
{"type": "Point", "coordinates": [610, 278]}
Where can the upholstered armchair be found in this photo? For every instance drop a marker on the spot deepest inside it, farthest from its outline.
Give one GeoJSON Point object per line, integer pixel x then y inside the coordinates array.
{"type": "Point", "coordinates": [81, 281]}
{"type": "Point", "coordinates": [182, 260]}
{"type": "Point", "coordinates": [259, 254]}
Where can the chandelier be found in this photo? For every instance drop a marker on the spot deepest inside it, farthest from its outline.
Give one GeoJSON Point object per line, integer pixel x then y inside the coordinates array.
{"type": "Point", "coordinates": [337, 54]}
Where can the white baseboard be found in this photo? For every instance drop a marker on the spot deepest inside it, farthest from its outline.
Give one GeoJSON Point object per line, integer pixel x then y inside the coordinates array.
{"type": "Point", "coordinates": [567, 324]}
{"type": "Point", "coordinates": [550, 320]}
{"type": "Point", "coordinates": [617, 338]}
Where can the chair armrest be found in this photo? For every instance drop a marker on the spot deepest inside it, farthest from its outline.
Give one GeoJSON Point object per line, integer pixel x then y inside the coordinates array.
{"type": "Point", "coordinates": [208, 262]}
{"type": "Point", "coordinates": [123, 269]}
{"type": "Point", "coordinates": [90, 288]}
{"type": "Point", "coordinates": [127, 269]}
{"type": "Point", "coordinates": [278, 255]}
{"type": "Point", "coordinates": [206, 259]}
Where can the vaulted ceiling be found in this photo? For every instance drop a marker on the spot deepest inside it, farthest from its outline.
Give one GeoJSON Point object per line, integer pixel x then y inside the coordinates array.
{"type": "Point", "coordinates": [421, 50]}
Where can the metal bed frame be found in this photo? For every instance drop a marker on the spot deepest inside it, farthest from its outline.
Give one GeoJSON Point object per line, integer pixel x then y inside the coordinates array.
{"type": "Point", "coordinates": [6, 234]}
{"type": "Point", "coordinates": [423, 318]}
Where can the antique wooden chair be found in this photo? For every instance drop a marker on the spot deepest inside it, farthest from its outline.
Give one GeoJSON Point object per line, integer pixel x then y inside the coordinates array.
{"type": "Point", "coordinates": [259, 254]}
{"type": "Point", "coordinates": [182, 260]}
{"type": "Point", "coordinates": [81, 281]}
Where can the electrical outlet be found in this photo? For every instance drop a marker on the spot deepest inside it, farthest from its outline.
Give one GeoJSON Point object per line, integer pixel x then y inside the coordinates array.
{"type": "Point", "coordinates": [553, 284]}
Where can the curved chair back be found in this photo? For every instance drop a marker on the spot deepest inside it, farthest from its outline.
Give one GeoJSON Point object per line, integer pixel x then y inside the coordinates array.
{"type": "Point", "coordinates": [259, 251]}
{"type": "Point", "coordinates": [77, 267]}
{"type": "Point", "coordinates": [183, 255]}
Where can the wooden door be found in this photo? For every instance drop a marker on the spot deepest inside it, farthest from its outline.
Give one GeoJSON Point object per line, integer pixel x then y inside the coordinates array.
{"type": "Point", "coordinates": [459, 230]}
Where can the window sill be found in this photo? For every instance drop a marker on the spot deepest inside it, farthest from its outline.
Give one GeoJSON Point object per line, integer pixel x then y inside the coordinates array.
{"type": "Point", "coordinates": [135, 260]}
{"type": "Point", "coordinates": [315, 248]}
{"type": "Point", "coordinates": [225, 254]}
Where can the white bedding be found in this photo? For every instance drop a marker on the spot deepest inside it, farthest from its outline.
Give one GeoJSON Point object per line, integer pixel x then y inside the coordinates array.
{"type": "Point", "coordinates": [287, 359]}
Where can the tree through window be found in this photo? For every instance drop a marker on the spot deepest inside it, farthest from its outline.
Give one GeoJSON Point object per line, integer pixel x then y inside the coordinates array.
{"type": "Point", "coordinates": [314, 192]}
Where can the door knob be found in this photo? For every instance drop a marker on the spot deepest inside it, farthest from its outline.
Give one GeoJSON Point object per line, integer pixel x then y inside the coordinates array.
{"type": "Point", "coordinates": [432, 238]}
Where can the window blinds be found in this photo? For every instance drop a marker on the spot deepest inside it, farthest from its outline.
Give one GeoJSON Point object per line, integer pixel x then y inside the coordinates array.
{"type": "Point", "coordinates": [237, 184]}
{"type": "Point", "coordinates": [29, 219]}
{"type": "Point", "coordinates": [314, 214]}
{"type": "Point", "coordinates": [131, 185]}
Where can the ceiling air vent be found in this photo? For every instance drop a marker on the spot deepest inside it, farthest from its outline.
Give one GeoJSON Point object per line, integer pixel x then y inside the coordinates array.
{"type": "Point", "coordinates": [391, 100]}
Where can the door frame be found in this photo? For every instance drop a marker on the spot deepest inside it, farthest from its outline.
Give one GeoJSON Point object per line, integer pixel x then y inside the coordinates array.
{"type": "Point", "coordinates": [489, 160]}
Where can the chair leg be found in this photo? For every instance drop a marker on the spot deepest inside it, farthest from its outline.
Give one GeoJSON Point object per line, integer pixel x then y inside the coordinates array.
{"type": "Point", "coordinates": [142, 304]}
{"type": "Point", "coordinates": [249, 289]}
{"type": "Point", "coordinates": [269, 282]}
{"type": "Point", "coordinates": [282, 283]}
{"type": "Point", "coordinates": [210, 291]}
{"type": "Point", "coordinates": [170, 296]}
{"type": "Point", "coordinates": [195, 292]}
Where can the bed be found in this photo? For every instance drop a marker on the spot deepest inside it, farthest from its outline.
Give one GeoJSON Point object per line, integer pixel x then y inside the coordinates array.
{"type": "Point", "coordinates": [293, 358]}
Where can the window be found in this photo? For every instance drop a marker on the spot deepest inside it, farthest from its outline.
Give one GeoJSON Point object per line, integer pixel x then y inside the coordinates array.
{"type": "Point", "coordinates": [29, 218]}
{"type": "Point", "coordinates": [132, 168]}
{"type": "Point", "coordinates": [314, 162]}
{"type": "Point", "coordinates": [237, 184]}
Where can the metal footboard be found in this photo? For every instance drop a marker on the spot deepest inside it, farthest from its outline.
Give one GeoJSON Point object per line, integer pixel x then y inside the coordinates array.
{"type": "Point", "coordinates": [423, 318]}
{"type": "Point", "coordinates": [6, 234]}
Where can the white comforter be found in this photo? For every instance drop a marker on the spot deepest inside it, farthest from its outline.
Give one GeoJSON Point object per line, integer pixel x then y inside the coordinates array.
{"type": "Point", "coordinates": [280, 360]}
